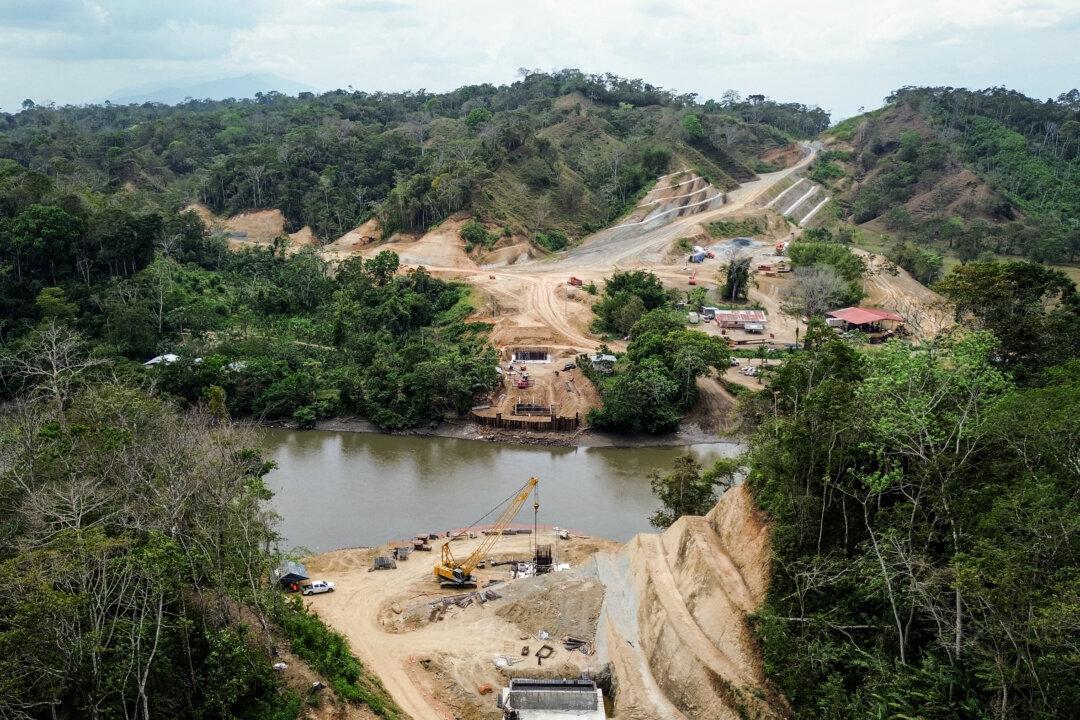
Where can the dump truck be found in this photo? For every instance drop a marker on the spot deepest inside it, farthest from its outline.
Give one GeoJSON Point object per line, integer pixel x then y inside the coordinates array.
{"type": "Point", "coordinates": [576, 282]}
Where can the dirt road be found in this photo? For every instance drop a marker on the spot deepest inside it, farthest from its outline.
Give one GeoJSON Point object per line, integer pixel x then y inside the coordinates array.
{"type": "Point", "coordinates": [532, 287]}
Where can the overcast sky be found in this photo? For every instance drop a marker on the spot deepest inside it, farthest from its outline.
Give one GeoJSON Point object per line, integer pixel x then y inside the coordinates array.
{"type": "Point", "coordinates": [839, 54]}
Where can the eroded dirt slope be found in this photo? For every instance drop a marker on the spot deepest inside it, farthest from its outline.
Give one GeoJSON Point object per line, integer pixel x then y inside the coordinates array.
{"type": "Point", "coordinates": [673, 624]}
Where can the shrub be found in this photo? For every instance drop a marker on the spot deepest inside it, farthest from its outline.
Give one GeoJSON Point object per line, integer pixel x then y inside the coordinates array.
{"type": "Point", "coordinates": [473, 233]}
{"type": "Point", "coordinates": [553, 240]}
{"type": "Point", "coordinates": [304, 417]}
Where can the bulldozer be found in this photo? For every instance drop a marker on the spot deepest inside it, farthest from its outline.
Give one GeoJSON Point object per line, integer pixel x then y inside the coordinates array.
{"type": "Point", "coordinates": [458, 574]}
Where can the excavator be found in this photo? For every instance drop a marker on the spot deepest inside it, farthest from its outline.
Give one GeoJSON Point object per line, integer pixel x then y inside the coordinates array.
{"type": "Point", "coordinates": [452, 573]}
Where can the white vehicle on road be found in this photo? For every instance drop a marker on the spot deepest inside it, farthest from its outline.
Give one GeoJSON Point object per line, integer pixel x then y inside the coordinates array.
{"type": "Point", "coordinates": [318, 586]}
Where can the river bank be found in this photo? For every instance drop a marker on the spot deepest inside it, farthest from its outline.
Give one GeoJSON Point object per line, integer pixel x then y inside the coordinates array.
{"type": "Point", "coordinates": [459, 430]}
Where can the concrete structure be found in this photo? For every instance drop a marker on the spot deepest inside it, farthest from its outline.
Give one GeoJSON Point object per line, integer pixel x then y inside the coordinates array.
{"type": "Point", "coordinates": [542, 699]}
{"type": "Point", "coordinates": [530, 355]}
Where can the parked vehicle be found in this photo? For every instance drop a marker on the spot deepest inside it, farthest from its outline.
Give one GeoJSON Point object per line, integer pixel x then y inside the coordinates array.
{"type": "Point", "coordinates": [317, 587]}
{"type": "Point", "coordinates": [569, 366]}
{"type": "Point", "coordinates": [576, 282]}
{"type": "Point", "coordinates": [697, 257]}
{"type": "Point", "coordinates": [734, 362]}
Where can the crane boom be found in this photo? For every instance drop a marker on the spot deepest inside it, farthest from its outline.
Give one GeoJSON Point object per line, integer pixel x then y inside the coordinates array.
{"type": "Point", "coordinates": [452, 572]}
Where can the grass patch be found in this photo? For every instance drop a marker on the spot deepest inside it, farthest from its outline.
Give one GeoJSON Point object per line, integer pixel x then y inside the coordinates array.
{"type": "Point", "coordinates": [327, 653]}
{"type": "Point", "coordinates": [735, 228]}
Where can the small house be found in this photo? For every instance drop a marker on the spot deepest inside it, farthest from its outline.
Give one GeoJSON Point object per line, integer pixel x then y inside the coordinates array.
{"type": "Point", "coordinates": [867, 320]}
{"type": "Point", "coordinates": [741, 318]}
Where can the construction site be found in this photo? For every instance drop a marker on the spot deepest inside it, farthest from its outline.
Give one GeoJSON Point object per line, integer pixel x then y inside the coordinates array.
{"type": "Point", "coordinates": [518, 620]}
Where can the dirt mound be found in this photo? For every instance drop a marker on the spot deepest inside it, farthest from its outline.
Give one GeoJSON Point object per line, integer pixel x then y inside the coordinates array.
{"type": "Point", "coordinates": [508, 254]}
{"type": "Point", "coordinates": [784, 156]}
{"type": "Point", "coordinates": [673, 624]}
{"type": "Point", "coordinates": [443, 247]}
{"type": "Point", "coordinates": [355, 240]}
{"type": "Point", "coordinates": [561, 605]}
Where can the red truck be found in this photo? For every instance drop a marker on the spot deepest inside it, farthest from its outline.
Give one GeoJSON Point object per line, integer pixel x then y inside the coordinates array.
{"type": "Point", "coordinates": [576, 282]}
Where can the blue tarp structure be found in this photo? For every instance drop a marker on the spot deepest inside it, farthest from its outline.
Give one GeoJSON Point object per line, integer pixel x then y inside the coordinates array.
{"type": "Point", "coordinates": [290, 573]}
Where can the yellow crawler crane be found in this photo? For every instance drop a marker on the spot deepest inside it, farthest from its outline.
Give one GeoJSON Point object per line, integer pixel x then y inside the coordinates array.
{"type": "Point", "coordinates": [452, 573]}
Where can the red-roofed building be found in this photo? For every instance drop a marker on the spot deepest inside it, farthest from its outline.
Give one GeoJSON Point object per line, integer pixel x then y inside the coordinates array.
{"type": "Point", "coordinates": [869, 320]}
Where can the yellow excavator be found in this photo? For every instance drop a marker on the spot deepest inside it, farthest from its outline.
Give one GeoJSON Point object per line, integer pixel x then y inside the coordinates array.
{"type": "Point", "coordinates": [454, 574]}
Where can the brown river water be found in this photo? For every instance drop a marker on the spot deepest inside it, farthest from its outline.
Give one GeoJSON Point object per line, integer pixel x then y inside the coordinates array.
{"type": "Point", "coordinates": [336, 489]}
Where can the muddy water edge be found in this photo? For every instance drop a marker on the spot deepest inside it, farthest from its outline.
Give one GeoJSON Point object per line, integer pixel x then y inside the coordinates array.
{"type": "Point", "coordinates": [337, 489]}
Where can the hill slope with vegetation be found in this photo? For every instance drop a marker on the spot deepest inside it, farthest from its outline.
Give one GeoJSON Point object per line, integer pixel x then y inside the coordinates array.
{"type": "Point", "coordinates": [561, 150]}
{"type": "Point", "coordinates": [961, 173]}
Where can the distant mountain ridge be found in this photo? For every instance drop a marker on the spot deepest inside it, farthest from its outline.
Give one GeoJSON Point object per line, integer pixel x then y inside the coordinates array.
{"type": "Point", "coordinates": [243, 86]}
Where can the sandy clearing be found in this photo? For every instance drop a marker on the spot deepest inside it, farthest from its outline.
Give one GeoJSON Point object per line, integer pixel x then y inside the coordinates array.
{"type": "Point", "coordinates": [256, 228]}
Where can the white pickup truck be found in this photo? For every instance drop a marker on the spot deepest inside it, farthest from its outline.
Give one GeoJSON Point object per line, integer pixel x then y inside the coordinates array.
{"type": "Point", "coordinates": [317, 586]}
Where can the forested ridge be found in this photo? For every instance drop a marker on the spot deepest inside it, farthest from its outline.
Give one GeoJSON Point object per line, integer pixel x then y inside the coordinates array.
{"type": "Point", "coordinates": [562, 150]}
{"type": "Point", "coordinates": [962, 173]}
{"type": "Point", "coordinates": [926, 526]}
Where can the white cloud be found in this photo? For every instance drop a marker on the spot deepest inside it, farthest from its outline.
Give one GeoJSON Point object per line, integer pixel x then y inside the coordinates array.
{"type": "Point", "coordinates": [836, 52]}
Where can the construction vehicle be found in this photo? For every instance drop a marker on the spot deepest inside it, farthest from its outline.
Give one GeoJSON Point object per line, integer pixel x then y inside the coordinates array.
{"type": "Point", "coordinates": [576, 282]}
{"type": "Point", "coordinates": [693, 278]}
{"type": "Point", "coordinates": [454, 573]}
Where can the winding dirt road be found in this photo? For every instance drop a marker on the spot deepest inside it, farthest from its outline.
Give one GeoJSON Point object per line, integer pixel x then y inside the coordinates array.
{"type": "Point", "coordinates": [534, 284]}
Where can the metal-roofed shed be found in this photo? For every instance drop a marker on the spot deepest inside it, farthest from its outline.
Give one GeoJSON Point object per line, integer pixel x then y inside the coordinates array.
{"type": "Point", "coordinates": [539, 699]}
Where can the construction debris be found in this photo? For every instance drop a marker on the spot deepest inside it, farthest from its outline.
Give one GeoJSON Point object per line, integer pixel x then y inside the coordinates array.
{"type": "Point", "coordinates": [585, 647]}
{"type": "Point", "coordinates": [544, 652]}
{"type": "Point", "coordinates": [465, 599]}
